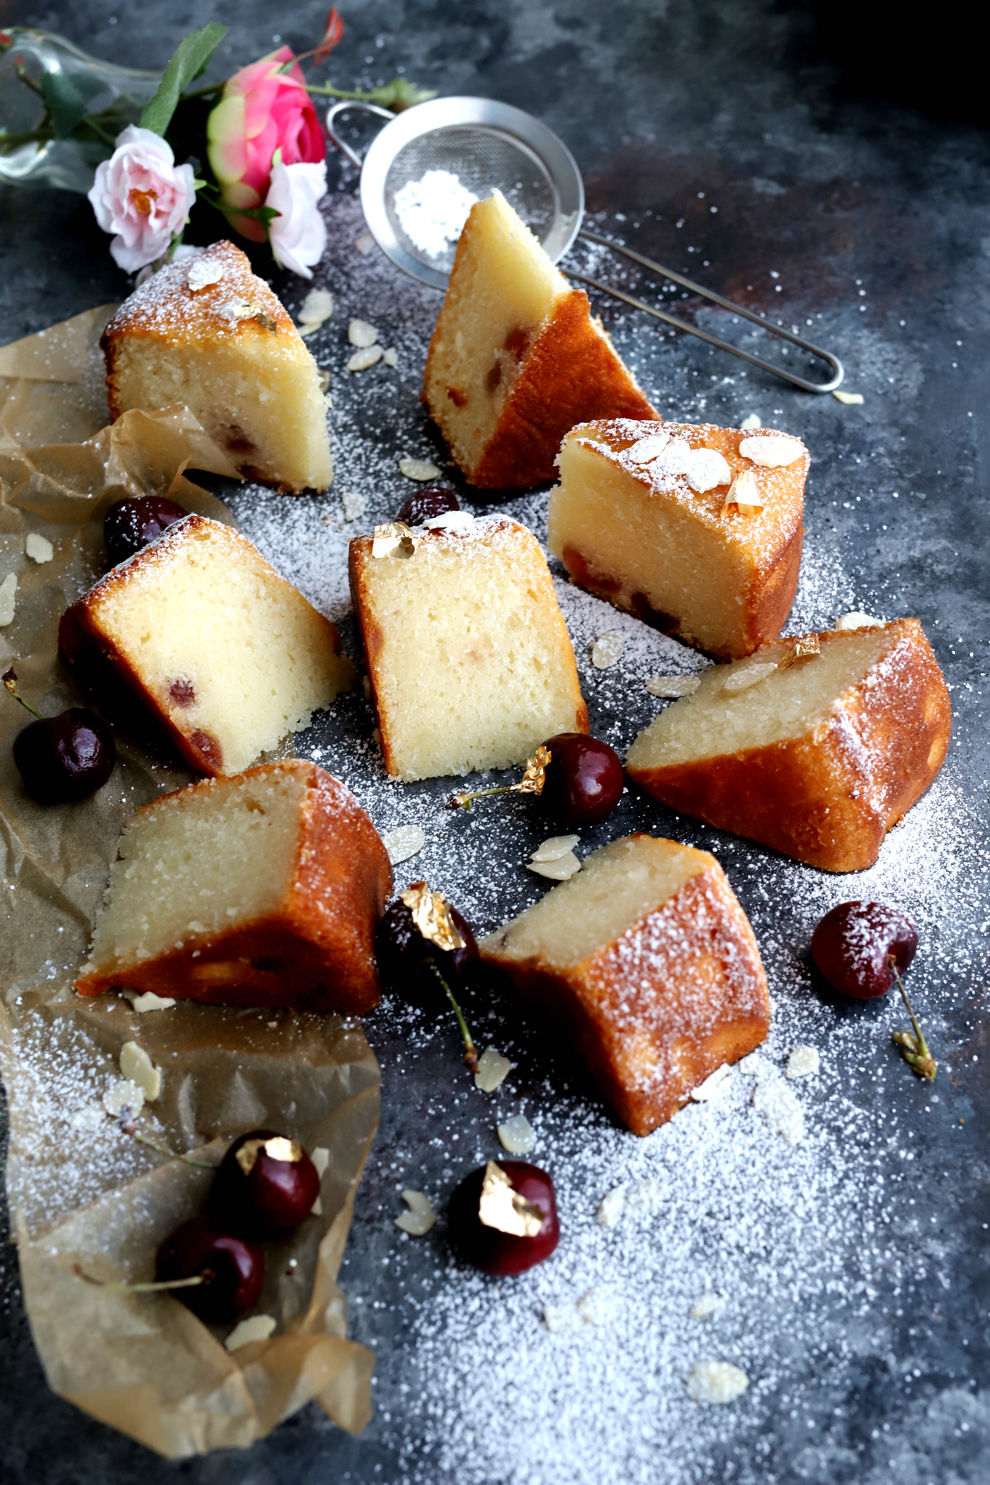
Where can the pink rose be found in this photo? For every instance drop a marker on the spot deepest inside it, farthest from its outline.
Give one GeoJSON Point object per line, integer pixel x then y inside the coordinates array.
{"type": "Point", "coordinates": [298, 234]}
{"type": "Point", "coordinates": [261, 110]}
{"type": "Point", "coordinates": [142, 196]}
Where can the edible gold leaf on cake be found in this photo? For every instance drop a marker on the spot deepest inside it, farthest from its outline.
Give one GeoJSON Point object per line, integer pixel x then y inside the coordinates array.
{"type": "Point", "coordinates": [393, 539]}
{"type": "Point", "coordinates": [503, 1208]}
{"type": "Point", "coordinates": [744, 494]}
{"type": "Point", "coordinates": [432, 916]}
{"type": "Point", "coordinates": [806, 646]}
{"type": "Point", "coordinates": [290, 1152]}
{"type": "Point", "coordinates": [535, 775]}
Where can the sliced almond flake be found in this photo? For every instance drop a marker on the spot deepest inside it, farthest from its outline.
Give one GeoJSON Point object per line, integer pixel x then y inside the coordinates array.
{"type": "Point", "coordinates": [645, 450]}
{"type": "Point", "coordinates": [857, 620]}
{"type": "Point", "coordinates": [751, 421]}
{"type": "Point", "coordinates": [8, 599]}
{"type": "Point", "coordinates": [711, 1085]}
{"type": "Point", "coordinates": [675, 459]}
{"type": "Point", "coordinates": [38, 548]}
{"type": "Point", "coordinates": [316, 1210]}
{"type": "Point", "coordinates": [418, 469]}
{"type": "Point", "coordinates": [744, 493]}
{"type": "Point", "coordinates": [461, 521]}
{"type": "Point", "coordinates": [354, 505]}
{"type": "Point", "coordinates": [645, 1197]}
{"type": "Point", "coordinates": [321, 1159]}
{"type": "Point", "coordinates": [611, 1207]}
{"type": "Point", "coordinates": [493, 1069]}
{"type": "Point", "coordinates": [555, 847]}
{"type": "Point", "coordinates": [420, 1216]}
{"type": "Point", "coordinates": [390, 356]}
{"type": "Point", "coordinates": [851, 399]}
{"type": "Point", "coordinates": [747, 676]}
{"type": "Point", "coordinates": [403, 842]}
{"type": "Point", "coordinates": [706, 1304]}
{"type": "Point", "coordinates": [316, 307]}
{"type": "Point", "coordinates": [560, 870]}
{"type": "Point", "coordinates": [771, 451]}
{"type": "Point", "coordinates": [365, 244]}
{"type": "Point", "coordinates": [123, 1095]}
{"type": "Point", "coordinates": [255, 1328]}
{"type": "Point", "coordinates": [203, 273]}
{"type": "Point", "coordinates": [364, 360]}
{"type": "Point", "coordinates": [561, 1318]}
{"type": "Point", "coordinates": [137, 1066]}
{"type": "Point", "coordinates": [673, 685]}
{"type": "Point", "coordinates": [517, 1135]}
{"type": "Point", "coordinates": [779, 1106]}
{"type": "Point", "coordinates": [360, 333]}
{"type": "Point", "coordinates": [706, 470]}
{"type": "Point", "coordinates": [803, 1062]}
{"type": "Point", "coordinates": [149, 1001]}
{"type": "Point", "coordinates": [607, 649]}
{"type": "Point", "coordinates": [716, 1382]}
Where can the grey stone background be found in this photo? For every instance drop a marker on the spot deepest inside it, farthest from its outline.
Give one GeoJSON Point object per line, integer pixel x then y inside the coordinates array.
{"type": "Point", "coordinates": [860, 178]}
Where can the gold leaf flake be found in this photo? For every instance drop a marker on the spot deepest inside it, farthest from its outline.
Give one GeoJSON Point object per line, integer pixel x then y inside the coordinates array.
{"type": "Point", "coordinates": [502, 1207]}
{"type": "Point", "coordinates": [394, 538]}
{"type": "Point", "coordinates": [276, 1148]}
{"type": "Point", "coordinates": [535, 775]}
{"type": "Point", "coordinates": [806, 646]}
{"type": "Point", "coordinates": [744, 494]}
{"type": "Point", "coordinates": [432, 917]}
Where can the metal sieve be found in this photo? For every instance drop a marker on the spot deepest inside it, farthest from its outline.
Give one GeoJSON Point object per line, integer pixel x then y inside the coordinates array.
{"type": "Point", "coordinates": [488, 145]}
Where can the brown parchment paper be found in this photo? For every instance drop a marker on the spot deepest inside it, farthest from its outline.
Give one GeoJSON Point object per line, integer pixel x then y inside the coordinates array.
{"type": "Point", "coordinates": [81, 1190]}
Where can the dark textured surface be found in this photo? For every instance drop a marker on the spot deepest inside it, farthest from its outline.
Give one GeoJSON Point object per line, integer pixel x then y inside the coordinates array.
{"type": "Point", "coordinates": [874, 218]}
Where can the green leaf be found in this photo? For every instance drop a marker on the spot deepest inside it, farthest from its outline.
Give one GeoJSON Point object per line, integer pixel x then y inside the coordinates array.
{"type": "Point", "coordinates": [189, 60]}
{"type": "Point", "coordinates": [66, 98]}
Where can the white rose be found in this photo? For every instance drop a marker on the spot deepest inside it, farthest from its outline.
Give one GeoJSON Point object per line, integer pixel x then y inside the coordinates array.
{"type": "Point", "coordinates": [142, 196]}
{"type": "Point", "coordinates": [298, 234]}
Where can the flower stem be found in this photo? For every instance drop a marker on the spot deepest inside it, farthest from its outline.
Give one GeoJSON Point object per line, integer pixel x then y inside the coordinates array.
{"type": "Point", "coordinates": [206, 1277]}
{"type": "Point", "coordinates": [914, 1048]}
{"type": "Point", "coordinates": [10, 681]}
{"type": "Point", "coordinates": [470, 1050]}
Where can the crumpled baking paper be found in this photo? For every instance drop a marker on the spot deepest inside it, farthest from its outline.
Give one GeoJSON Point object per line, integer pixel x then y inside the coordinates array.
{"type": "Point", "coordinates": [82, 1191]}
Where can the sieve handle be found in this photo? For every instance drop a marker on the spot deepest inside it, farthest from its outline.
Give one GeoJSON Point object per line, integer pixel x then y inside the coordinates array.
{"type": "Point", "coordinates": [337, 108]}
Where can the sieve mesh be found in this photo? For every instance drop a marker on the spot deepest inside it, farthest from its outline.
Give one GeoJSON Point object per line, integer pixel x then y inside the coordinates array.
{"type": "Point", "coordinates": [480, 159]}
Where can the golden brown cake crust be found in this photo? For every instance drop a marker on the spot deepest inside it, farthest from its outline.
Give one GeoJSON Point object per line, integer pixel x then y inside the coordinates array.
{"type": "Point", "coordinates": [315, 952]}
{"type": "Point", "coordinates": [656, 1012]}
{"type": "Point", "coordinates": [572, 374]}
{"type": "Point", "coordinates": [829, 800]}
{"type": "Point", "coordinates": [100, 668]}
{"type": "Point", "coordinates": [770, 540]}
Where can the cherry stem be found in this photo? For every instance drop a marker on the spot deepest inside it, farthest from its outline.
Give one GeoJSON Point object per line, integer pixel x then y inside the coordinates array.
{"type": "Point", "coordinates": [916, 1055]}
{"type": "Point", "coordinates": [10, 681]}
{"type": "Point", "coordinates": [464, 800]}
{"type": "Point", "coordinates": [206, 1277]}
{"type": "Point", "coordinates": [144, 1139]}
{"type": "Point", "coordinates": [470, 1050]}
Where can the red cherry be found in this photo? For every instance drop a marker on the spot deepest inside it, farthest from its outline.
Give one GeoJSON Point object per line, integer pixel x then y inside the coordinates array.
{"type": "Point", "coordinates": [233, 1270]}
{"type": "Point", "coordinates": [131, 524]}
{"type": "Point", "coordinates": [264, 1186]}
{"type": "Point", "coordinates": [424, 504]}
{"type": "Point", "coordinates": [65, 758]}
{"type": "Point", "coordinates": [402, 954]}
{"type": "Point", "coordinates": [583, 781]}
{"type": "Point", "coordinates": [490, 1247]}
{"type": "Point", "coordinates": [852, 945]}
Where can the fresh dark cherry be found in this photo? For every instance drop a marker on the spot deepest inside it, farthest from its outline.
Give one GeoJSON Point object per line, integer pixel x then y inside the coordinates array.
{"type": "Point", "coordinates": [402, 954]}
{"type": "Point", "coordinates": [130, 525]}
{"type": "Point", "coordinates": [488, 1248]}
{"type": "Point", "coordinates": [233, 1270]}
{"type": "Point", "coordinates": [853, 944]}
{"type": "Point", "coordinates": [65, 758]}
{"type": "Point", "coordinates": [583, 782]}
{"type": "Point", "coordinates": [424, 504]}
{"type": "Point", "coordinates": [258, 1195]}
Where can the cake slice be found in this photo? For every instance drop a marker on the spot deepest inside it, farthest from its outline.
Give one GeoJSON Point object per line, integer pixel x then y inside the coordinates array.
{"type": "Point", "coordinates": [262, 889]}
{"type": "Point", "coordinates": [469, 659]}
{"type": "Point", "coordinates": [695, 529]}
{"type": "Point", "coordinates": [815, 745]}
{"type": "Point", "coordinates": [647, 961]}
{"type": "Point", "coordinates": [198, 640]}
{"type": "Point", "coordinates": [207, 333]}
{"type": "Point", "coordinates": [516, 359]}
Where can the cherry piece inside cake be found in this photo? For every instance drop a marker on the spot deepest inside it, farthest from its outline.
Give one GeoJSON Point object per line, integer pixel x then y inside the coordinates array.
{"type": "Point", "coordinates": [198, 640]}
{"type": "Point", "coordinates": [262, 889]}
{"type": "Point", "coordinates": [647, 961]}
{"type": "Point", "coordinates": [694, 528]}
{"type": "Point", "coordinates": [470, 662]}
{"type": "Point", "coordinates": [207, 333]}
{"type": "Point", "coordinates": [516, 358]}
{"type": "Point", "coordinates": [815, 745]}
